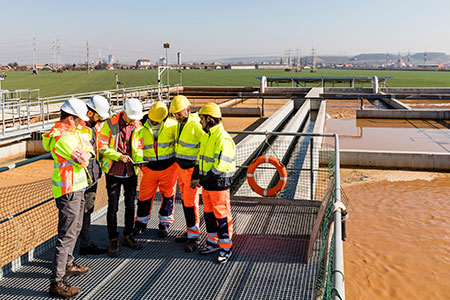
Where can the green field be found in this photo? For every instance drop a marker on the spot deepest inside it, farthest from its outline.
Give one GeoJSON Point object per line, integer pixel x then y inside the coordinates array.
{"type": "Point", "coordinates": [53, 84]}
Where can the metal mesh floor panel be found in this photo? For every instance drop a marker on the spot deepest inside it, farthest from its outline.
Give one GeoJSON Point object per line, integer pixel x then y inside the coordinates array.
{"type": "Point", "coordinates": [268, 261]}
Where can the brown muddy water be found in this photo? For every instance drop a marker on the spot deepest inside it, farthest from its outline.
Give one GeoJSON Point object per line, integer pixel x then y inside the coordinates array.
{"type": "Point", "coordinates": [398, 244]}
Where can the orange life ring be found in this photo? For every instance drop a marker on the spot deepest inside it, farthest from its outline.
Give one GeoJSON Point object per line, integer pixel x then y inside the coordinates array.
{"type": "Point", "coordinates": [280, 168]}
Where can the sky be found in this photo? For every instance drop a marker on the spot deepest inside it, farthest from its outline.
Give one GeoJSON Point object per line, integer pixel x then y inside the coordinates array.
{"type": "Point", "coordinates": [209, 30]}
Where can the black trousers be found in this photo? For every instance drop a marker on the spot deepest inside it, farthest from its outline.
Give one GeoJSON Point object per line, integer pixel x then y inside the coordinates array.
{"type": "Point", "coordinates": [113, 186]}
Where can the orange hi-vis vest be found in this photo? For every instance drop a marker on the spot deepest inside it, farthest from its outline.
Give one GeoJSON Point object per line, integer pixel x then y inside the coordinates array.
{"type": "Point", "coordinates": [108, 141]}
{"type": "Point", "coordinates": [65, 142]}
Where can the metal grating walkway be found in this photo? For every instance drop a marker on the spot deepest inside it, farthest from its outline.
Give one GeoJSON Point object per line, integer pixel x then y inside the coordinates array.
{"type": "Point", "coordinates": [268, 261]}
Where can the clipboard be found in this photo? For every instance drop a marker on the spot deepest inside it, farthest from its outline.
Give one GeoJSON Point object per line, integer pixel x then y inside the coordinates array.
{"type": "Point", "coordinates": [138, 163]}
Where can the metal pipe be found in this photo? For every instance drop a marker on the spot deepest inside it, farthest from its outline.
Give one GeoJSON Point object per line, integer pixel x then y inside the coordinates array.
{"type": "Point", "coordinates": [3, 117]}
{"type": "Point", "coordinates": [338, 292]}
{"type": "Point", "coordinates": [25, 162]}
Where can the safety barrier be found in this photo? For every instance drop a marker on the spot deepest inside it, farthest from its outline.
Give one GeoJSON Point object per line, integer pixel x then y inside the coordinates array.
{"type": "Point", "coordinates": [23, 116]}
{"type": "Point", "coordinates": [312, 164]}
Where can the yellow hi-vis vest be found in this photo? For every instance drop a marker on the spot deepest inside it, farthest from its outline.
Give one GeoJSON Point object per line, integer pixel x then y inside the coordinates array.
{"type": "Point", "coordinates": [217, 153]}
{"type": "Point", "coordinates": [187, 142]}
{"type": "Point", "coordinates": [164, 144]}
{"type": "Point", "coordinates": [109, 139]}
{"type": "Point", "coordinates": [63, 141]}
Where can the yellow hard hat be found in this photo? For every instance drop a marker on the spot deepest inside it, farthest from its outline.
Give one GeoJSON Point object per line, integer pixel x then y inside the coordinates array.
{"type": "Point", "coordinates": [179, 103]}
{"type": "Point", "coordinates": [158, 112]}
{"type": "Point", "coordinates": [211, 109]}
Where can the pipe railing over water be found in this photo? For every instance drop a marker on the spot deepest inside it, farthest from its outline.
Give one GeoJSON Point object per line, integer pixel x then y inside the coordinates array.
{"type": "Point", "coordinates": [17, 114]}
{"type": "Point", "coordinates": [338, 291]}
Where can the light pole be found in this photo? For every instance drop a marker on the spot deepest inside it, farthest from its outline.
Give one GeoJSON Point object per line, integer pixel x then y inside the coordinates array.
{"type": "Point", "coordinates": [167, 46]}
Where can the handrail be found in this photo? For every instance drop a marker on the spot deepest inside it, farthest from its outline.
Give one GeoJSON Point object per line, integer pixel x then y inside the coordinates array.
{"type": "Point", "coordinates": [338, 292]}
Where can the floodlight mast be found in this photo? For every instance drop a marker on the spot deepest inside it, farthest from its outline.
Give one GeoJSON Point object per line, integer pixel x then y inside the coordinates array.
{"type": "Point", "coordinates": [167, 46]}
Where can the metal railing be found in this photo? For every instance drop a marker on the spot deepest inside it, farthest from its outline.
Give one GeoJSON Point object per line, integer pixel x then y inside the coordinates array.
{"type": "Point", "coordinates": [21, 117]}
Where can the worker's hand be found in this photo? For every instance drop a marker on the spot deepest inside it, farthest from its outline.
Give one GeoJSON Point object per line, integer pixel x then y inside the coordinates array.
{"type": "Point", "coordinates": [195, 183]}
{"type": "Point", "coordinates": [125, 158]}
{"type": "Point", "coordinates": [80, 157]}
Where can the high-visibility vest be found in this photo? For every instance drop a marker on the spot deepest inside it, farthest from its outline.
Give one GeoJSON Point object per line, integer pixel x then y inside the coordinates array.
{"type": "Point", "coordinates": [64, 141]}
{"type": "Point", "coordinates": [164, 144]}
{"type": "Point", "coordinates": [109, 139]}
{"type": "Point", "coordinates": [187, 142]}
{"type": "Point", "coordinates": [217, 153]}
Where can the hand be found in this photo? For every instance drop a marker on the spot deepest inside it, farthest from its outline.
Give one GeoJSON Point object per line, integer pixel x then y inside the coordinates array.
{"type": "Point", "coordinates": [195, 183]}
{"type": "Point", "coordinates": [125, 158]}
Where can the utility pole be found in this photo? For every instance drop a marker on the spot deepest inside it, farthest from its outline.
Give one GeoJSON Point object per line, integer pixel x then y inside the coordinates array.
{"type": "Point", "coordinates": [424, 59]}
{"type": "Point", "coordinates": [57, 53]}
{"type": "Point", "coordinates": [387, 60]}
{"type": "Point", "coordinates": [34, 56]}
{"type": "Point", "coordinates": [53, 54]}
{"type": "Point", "coordinates": [408, 59]}
{"type": "Point", "coordinates": [87, 55]}
{"type": "Point", "coordinates": [313, 61]}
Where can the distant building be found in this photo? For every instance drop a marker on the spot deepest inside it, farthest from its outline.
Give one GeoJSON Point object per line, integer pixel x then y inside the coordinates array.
{"type": "Point", "coordinates": [110, 59]}
{"type": "Point", "coordinates": [143, 64]}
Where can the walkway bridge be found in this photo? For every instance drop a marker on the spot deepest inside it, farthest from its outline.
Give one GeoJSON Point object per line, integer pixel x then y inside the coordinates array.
{"type": "Point", "coordinates": [284, 247]}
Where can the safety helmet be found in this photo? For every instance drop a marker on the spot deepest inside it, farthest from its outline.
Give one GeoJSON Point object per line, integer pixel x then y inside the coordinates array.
{"type": "Point", "coordinates": [133, 108]}
{"type": "Point", "coordinates": [75, 107]}
{"type": "Point", "coordinates": [211, 109]}
{"type": "Point", "coordinates": [179, 103]}
{"type": "Point", "coordinates": [158, 112]}
{"type": "Point", "coordinates": [100, 105]}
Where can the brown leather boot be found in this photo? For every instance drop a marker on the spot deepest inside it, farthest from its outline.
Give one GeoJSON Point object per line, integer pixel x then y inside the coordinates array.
{"type": "Point", "coordinates": [114, 249]}
{"type": "Point", "coordinates": [75, 270]}
{"type": "Point", "coordinates": [63, 289]}
{"type": "Point", "coordinates": [129, 241]}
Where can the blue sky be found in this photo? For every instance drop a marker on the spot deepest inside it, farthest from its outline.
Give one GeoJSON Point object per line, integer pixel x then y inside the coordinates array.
{"type": "Point", "coordinates": [203, 30]}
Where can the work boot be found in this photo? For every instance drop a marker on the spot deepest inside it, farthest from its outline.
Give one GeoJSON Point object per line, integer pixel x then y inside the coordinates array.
{"type": "Point", "coordinates": [92, 250]}
{"type": "Point", "coordinates": [63, 289]}
{"type": "Point", "coordinates": [162, 233]}
{"type": "Point", "coordinates": [130, 242]}
{"type": "Point", "coordinates": [114, 249]}
{"type": "Point", "coordinates": [75, 270]}
{"type": "Point", "coordinates": [139, 228]}
{"type": "Point", "coordinates": [190, 245]}
{"type": "Point", "coordinates": [209, 248]}
{"type": "Point", "coordinates": [182, 238]}
{"type": "Point", "coordinates": [223, 256]}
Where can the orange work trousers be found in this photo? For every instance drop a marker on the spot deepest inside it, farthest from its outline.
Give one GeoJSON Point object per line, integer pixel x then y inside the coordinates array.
{"type": "Point", "coordinates": [218, 219]}
{"type": "Point", "coordinates": [166, 182]}
{"type": "Point", "coordinates": [190, 202]}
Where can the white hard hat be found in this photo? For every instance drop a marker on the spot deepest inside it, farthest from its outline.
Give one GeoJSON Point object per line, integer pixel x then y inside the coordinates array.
{"type": "Point", "coordinates": [133, 108]}
{"type": "Point", "coordinates": [100, 105]}
{"type": "Point", "coordinates": [75, 107]}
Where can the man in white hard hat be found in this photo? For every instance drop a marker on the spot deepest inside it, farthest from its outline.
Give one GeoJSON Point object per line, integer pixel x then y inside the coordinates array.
{"type": "Point", "coordinates": [98, 111]}
{"type": "Point", "coordinates": [119, 145]}
{"type": "Point", "coordinates": [71, 152]}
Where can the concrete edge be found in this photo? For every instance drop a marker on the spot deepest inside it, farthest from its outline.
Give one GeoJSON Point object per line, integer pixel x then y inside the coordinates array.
{"type": "Point", "coordinates": [401, 160]}
{"type": "Point", "coordinates": [404, 114]}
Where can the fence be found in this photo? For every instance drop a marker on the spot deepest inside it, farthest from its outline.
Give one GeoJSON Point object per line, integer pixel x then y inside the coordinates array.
{"type": "Point", "coordinates": [28, 215]}
{"type": "Point", "coordinates": [22, 116]}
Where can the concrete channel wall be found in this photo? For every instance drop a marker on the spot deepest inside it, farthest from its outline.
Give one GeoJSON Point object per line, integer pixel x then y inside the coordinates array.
{"type": "Point", "coordinates": [404, 114]}
{"type": "Point", "coordinates": [394, 103]}
{"type": "Point", "coordinates": [417, 91]}
{"type": "Point", "coordinates": [396, 160]}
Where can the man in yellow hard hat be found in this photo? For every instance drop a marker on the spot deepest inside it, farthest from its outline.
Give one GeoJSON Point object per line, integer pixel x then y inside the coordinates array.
{"type": "Point", "coordinates": [187, 145]}
{"type": "Point", "coordinates": [214, 173]}
{"type": "Point", "coordinates": [158, 134]}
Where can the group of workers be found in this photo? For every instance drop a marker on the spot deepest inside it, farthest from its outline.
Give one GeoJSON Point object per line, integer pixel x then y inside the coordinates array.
{"type": "Point", "coordinates": [191, 148]}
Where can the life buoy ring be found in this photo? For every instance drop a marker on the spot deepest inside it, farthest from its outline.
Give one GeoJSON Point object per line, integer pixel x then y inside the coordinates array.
{"type": "Point", "coordinates": [280, 168]}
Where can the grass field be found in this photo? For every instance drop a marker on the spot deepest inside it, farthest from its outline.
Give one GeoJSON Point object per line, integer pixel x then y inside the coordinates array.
{"type": "Point", "coordinates": [53, 84]}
